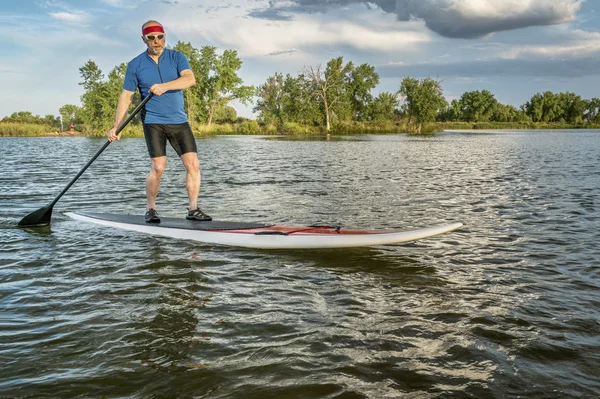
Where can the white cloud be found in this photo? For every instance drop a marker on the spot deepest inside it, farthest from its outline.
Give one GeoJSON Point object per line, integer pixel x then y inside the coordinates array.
{"type": "Point", "coordinates": [574, 44]}
{"type": "Point", "coordinates": [366, 30]}
{"type": "Point", "coordinates": [77, 18]}
{"type": "Point", "coordinates": [573, 52]}
{"type": "Point", "coordinates": [121, 3]}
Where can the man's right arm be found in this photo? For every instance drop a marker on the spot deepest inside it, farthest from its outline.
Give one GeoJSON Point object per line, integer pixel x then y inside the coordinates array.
{"type": "Point", "coordinates": [124, 103]}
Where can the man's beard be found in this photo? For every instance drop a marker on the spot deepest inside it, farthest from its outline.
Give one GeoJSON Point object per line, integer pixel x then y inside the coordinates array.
{"type": "Point", "coordinates": [155, 51]}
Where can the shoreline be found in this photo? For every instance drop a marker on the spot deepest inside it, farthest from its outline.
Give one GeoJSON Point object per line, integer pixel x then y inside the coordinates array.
{"type": "Point", "coordinates": [62, 134]}
{"type": "Point", "coordinates": [231, 129]}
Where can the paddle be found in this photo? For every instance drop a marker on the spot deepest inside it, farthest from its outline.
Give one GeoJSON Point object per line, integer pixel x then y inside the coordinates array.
{"type": "Point", "coordinates": [42, 216]}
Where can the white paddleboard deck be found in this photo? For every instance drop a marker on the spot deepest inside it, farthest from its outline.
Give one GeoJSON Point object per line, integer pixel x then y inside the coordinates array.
{"type": "Point", "coordinates": [256, 235]}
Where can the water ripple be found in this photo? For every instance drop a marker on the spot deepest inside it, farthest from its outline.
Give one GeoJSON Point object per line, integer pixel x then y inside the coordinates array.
{"type": "Point", "coordinates": [504, 307]}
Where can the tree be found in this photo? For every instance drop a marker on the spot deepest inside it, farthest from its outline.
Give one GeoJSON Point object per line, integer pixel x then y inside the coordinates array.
{"type": "Point", "coordinates": [70, 113]}
{"type": "Point", "coordinates": [592, 110]}
{"type": "Point", "coordinates": [452, 113]}
{"type": "Point", "coordinates": [328, 85]}
{"type": "Point", "coordinates": [534, 108]}
{"type": "Point", "coordinates": [92, 76]}
{"type": "Point", "coordinates": [225, 114]}
{"type": "Point", "coordinates": [219, 80]}
{"type": "Point", "coordinates": [113, 88]}
{"type": "Point", "coordinates": [94, 97]}
{"type": "Point", "coordinates": [270, 100]}
{"type": "Point", "coordinates": [193, 103]}
{"type": "Point", "coordinates": [300, 105]}
{"type": "Point", "coordinates": [573, 107]}
{"type": "Point", "coordinates": [67, 113]}
{"type": "Point", "coordinates": [52, 121]}
{"type": "Point", "coordinates": [507, 113]}
{"type": "Point", "coordinates": [28, 117]}
{"type": "Point", "coordinates": [384, 106]}
{"type": "Point", "coordinates": [544, 108]}
{"type": "Point", "coordinates": [423, 99]}
{"type": "Point", "coordinates": [22, 117]}
{"type": "Point", "coordinates": [362, 80]}
{"type": "Point", "coordinates": [477, 106]}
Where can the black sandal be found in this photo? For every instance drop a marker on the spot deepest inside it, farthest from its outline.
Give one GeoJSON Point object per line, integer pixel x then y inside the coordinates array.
{"type": "Point", "coordinates": [152, 216]}
{"type": "Point", "coordinates": [198, 214]}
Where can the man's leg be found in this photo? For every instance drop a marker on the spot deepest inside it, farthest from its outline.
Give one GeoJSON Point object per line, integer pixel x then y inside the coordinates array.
{"type": "Point", "coordinates": [192, 177]}
{"type": "Point", "coordinates": [153, 180]}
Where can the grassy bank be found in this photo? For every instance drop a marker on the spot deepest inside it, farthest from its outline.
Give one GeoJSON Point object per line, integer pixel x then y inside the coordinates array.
{"type": "Point", "coordinates": [252, 127]}
{"type": "Point", "coordinates": [511, 125]}
{"type": "Point", "coordinates": [13, 129]}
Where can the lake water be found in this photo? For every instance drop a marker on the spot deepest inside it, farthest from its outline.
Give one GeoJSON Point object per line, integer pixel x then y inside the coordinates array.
{"type": "Point", "coordinates": [507, 306]}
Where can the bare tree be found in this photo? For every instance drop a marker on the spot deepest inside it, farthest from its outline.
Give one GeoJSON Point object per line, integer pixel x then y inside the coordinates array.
{"type": "Point", "coordinates": [328, 84]}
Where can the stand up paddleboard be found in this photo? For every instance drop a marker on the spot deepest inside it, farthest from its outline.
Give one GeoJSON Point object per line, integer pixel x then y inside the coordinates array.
{"type": "Point", "coordinates": [254, 235]}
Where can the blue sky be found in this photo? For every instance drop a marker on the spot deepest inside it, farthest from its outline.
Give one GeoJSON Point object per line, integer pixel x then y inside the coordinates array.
{"type": "Point", "coordinates": [514, 48]}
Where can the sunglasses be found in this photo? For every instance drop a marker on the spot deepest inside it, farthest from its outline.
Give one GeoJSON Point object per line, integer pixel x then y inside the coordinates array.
{"type": "Point", "coordinates": [151, 38]}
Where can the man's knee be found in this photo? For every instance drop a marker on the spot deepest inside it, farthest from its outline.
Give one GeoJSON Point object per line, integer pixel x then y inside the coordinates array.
{"type": "Point", "coordinates": [190, 160]}
{"type": "Point", "coordinates": [158, 167]}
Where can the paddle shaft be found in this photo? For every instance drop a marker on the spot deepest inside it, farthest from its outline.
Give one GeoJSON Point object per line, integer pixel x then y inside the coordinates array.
{"type": "Point", "coordinates": [129, 118]}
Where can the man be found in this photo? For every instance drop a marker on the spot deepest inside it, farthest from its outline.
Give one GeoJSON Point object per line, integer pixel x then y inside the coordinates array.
{"type": "Point", "coordinates": [165, 73]}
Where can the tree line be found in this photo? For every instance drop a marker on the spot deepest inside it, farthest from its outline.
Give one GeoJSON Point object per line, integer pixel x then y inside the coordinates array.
{"type": "Point", "coordinates": [28, 117]}
{"type": "Point", "coordinates": [343, 92]}
{"type": "Point", "coordinates": [318, 96]}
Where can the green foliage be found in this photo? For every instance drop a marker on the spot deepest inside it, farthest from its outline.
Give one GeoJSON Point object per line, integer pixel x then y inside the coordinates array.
{"type": "Point", "coordinates": [194, 103]}
{"type": "Point", "coordinates": [339, 92]}
{"type": "Point", "coordinates": [248, 127]}
{"type": "Point", "coordinates": [592, 111]}
{"type": "Point", "coordinates": [452, 113]}
{"type": "Point", "coordinates": [270, 100]}
{"type": "Point", "coordinates": [480, 106]}
{"type": "Point", "coordinates": [23, 129]}
{"type": "Point", "coordinates": [561, 107]}
{"type": "Point", "coordinates": [218, 81]}
{"type": "Point", "coordinates": [370, 127]}
{"type": "Point", "coordinates": [94, 95]}
{"type": "Point", "coordinates": [362, 80]}
{"type": "Point", "coordinates": [71, 114]}
{"type": "Point", "coordinates": [508, 113]}
{"type": "Point", "coordinates": [100, 99]}
{"type": "Point", "coordinates": [28, 118]}
{"type": "Point", "coordinates": [477, 106]}
{"type": "Point", "coordinates": [384, 107]}
{"type": "Point", "coordinates": [511, 125]}
{"type": "Point", "coordinates": [299, 102]}
{"type": "Point", "coordinates": [243, 127]}
{"type": "Point", "coordinates": [574, 106]}
{"type": "Point", "coordinates": [328, 87]}
{"type": "Point", "coordinates": [225, 114]}
{"type": "Point", "coordinates": [294, 128]}
{"type": "Point", "coordinates": [423, 100]}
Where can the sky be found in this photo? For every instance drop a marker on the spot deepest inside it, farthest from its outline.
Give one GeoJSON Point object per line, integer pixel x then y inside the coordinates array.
{"type": "Point", "coordinates": [513, 48]}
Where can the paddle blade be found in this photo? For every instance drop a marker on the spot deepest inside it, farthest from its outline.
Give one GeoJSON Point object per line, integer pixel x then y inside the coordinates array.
{"type": "Point", "coordinates": [41, 217]}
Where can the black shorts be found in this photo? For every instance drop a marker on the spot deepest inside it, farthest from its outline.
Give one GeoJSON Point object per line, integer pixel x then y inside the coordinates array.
{"type": "Point", "coordinates": [179, 135]}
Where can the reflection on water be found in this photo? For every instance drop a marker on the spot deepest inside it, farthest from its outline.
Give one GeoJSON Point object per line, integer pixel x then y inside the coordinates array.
{"type": "Point", "coordinates": [504, 307]}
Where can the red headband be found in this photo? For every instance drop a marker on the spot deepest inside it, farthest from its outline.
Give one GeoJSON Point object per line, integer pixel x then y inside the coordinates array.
{"type": "Point", "coordinates": [150, 29]}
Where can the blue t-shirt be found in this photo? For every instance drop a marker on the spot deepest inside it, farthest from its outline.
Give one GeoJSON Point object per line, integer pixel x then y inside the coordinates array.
{"type": "Point", "coordinates": [143, 72]}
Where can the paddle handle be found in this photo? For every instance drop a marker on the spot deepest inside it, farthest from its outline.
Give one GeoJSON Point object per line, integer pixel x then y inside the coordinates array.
{"type": "Point", "coordinates": [129, 118]}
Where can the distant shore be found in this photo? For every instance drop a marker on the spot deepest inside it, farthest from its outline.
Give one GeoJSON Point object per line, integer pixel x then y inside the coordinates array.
{"type": "Point", "coordinates": [63, 134]}
{"type": "Point", "coordinates": [252, 127]}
